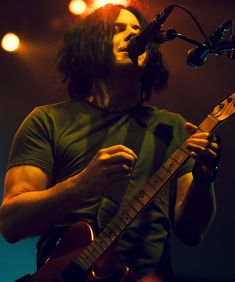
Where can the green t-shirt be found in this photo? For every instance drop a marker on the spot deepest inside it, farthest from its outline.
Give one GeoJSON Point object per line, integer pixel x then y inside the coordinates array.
{"type": "Point", "coordinates": [62, 139]}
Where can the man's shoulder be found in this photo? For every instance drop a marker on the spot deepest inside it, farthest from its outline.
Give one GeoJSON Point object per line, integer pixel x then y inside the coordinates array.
{"type": "Point", "coordinates": [164, 115]}
{"type": "Point", "coordinates": [61, 108]}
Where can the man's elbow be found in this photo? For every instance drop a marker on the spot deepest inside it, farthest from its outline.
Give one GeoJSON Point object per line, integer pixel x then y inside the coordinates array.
{"type": "Point", "coordinates": [191, 240]}
{"type": "Point", "coordinates": [9, 235]}
{"type": "Point", "coordinates": [189, 237]}
{"type": "Point", "coordinates": [7, 228]}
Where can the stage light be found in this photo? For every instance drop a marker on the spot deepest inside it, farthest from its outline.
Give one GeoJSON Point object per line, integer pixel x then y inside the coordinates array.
{"type": "Point", "coordinates": [100, 3]}
{"type": "Point", "coordinates": [10, 42]}
{"type": "Point", "coordinates": [77, 7]}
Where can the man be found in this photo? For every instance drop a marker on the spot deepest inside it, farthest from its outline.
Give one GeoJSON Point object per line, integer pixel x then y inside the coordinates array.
{"type": "Point", "coordinates": [82, 159]}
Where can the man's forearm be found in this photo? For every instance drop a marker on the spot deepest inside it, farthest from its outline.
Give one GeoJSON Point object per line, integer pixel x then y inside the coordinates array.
{"type": "Point", "coordinates": [31, 213]}
{"type": "Point", "coordinates": [194, 215]}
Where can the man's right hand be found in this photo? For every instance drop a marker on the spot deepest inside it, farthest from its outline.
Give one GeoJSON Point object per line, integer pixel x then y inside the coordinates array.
{"type": "Point", "coordinates": [108, 166]}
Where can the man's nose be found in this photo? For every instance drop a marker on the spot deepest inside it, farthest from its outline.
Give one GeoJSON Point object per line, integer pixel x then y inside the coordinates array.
{"type": "Point", "coordinates": [130, 33]}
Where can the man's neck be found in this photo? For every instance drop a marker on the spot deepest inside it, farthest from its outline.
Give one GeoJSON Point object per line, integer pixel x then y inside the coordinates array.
{"type": "Point", "coordinates": [116, 93]}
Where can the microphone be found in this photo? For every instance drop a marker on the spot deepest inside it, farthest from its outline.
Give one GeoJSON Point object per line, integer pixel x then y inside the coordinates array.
{"type": "Point", "coordinates": [197, 56]}
{"type": "Point", "coordinates": [138, 43]}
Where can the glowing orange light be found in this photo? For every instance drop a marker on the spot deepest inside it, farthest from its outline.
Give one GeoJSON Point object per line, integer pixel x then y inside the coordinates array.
{"type": "Point", "coordinates": [10, 42]}
{"type": "Point", "coordinates": [77, 7]}
{"type": "Point", "coordinates": [100, 3]}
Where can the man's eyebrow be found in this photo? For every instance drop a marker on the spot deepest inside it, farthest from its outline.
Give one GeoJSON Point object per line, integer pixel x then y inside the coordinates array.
{"type": "Point", "coordinates": [119, 23]}
{"type": "Point", "coordinates": [132, 24]}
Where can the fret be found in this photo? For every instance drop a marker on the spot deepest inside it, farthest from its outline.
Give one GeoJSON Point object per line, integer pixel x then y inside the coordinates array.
{"type": "Point", "coordinates": [83, 264]}
{"type": "Point", "coordinates": [132, 209]}
{"type": "Point", "coordinates": [181, 154]}
{"type": "Point", "coordinates": [149, 190]}
{"type": "Point", "coordinates": [172, 165]}
{"type": "Point", "coordinates": [184, 153]}
{"type": "Point", "coordinates": [109, 233]}
{"type": "Point", "coordinates": [138, 206]}
{"type": "Point", "coordinates": [210, 118]}
{"type": "Point", "coordinates": [209, 123]}
{"type": "Point", "coordinates": [91, 252]}
{"type": "Point", "coordinates": [155, 181]}
{"type": "Point", "coordinates": [86, 258]}
{"type": "Point", "coordinates": [119, 221]}
{"type": "Point", "coordinates": [138, 203]}
{"type": "Point", "coordinates": [158, 174]}
{"type": "Point", "coordinates": [105, 238]}
{"type": "Point", "coordinates": [164, 166]}
{"type": "Point", "coordinates": [100, 244]}
{"type": "Point", "coordinates": [115, 228]}
{"type": "Point", "coordinates": [163, 174]}
{"type": "Point", "coordinates": [177, 162]}
{"type": "Point", "coordinates": [143, 197]}
{"type": "Point", "coordinates": [124, 216]}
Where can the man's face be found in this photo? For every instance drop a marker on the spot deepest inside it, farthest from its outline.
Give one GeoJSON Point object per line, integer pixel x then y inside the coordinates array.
{"type": "Point", "coordinates": [126, 26]}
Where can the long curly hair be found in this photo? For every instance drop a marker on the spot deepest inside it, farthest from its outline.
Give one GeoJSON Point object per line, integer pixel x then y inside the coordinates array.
{"type": "Point", "coordinates": [86, 53]}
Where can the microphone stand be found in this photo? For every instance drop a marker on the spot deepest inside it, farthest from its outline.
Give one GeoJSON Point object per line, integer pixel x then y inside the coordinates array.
{"type": "Point", "coordinates": [223, 46]}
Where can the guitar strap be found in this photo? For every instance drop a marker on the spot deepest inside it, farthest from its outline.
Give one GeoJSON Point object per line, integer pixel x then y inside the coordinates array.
{"type": "Point", "coordinates": [112, 199]}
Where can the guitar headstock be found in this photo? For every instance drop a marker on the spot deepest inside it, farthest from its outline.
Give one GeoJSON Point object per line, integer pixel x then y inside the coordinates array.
{"type": "Point", "coordinates": [225, 109]}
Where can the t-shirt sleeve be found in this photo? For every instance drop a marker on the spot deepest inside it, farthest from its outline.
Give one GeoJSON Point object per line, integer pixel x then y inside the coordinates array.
{"type": "Point", "coordinates": [33, 142]}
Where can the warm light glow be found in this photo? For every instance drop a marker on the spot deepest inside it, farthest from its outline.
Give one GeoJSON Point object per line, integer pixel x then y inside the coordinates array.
{"type": "Point", "coordinates": [100, 3]}
{"type": "Point", "coordinates": [10, 42]}
{"type": "Point", "coordinates": [77, 7]}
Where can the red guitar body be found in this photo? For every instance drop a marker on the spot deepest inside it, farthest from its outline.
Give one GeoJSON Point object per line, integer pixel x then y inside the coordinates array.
{"type": "Point", "coordinates": [60, 267]}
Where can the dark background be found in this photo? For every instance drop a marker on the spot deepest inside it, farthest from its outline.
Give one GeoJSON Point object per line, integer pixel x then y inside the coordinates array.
{"type": "Point", "coordinates": [29, 78]}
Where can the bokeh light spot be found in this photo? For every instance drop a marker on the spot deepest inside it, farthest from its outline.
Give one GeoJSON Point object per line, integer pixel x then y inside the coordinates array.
{"type": "Point", "coordinates": [100, 3]}
{"type": "Point", "coordinates": [77, 7]}
{"type": "Point", "coordinates": [10, 42]}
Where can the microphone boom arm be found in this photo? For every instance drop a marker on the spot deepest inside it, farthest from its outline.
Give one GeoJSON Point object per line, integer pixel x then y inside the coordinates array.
{"type": "Point", "coordinates": [171, 34]}
{"type": "Point", "coordinates": [223, 46]}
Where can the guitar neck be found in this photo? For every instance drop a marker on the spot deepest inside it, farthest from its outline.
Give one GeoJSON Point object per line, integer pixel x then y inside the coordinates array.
{"type": "Point", "coordinates": [126, 216]}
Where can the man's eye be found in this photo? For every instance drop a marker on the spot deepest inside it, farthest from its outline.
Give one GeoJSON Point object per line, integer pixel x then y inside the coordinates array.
{"type": "Point", "coordinates": [136, 27]}
{"type": "Point", "coordinates": [119, 28]}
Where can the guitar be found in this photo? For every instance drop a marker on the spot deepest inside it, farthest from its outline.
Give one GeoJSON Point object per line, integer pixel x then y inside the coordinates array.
{"type": "Point", "coordinates": [80, 256]}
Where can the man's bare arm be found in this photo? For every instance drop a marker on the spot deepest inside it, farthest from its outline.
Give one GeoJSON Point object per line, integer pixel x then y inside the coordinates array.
{"type": "Point", "coordinates": [195, 209]}
{"type": "Point", "coordinates": [30, 208]}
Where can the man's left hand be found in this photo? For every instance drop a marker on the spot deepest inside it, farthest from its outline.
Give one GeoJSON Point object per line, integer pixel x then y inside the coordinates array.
{"type": "Point", "coordinates": [204, 147]}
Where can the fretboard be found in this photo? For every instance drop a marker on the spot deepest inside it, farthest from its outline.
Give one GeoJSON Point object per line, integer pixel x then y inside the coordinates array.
{"type": "Point", "coordinates": [126, 216]}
